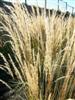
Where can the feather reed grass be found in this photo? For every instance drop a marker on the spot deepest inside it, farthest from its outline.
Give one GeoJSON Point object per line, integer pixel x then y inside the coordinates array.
{"type": "Point", "coordinates": [44, 54]}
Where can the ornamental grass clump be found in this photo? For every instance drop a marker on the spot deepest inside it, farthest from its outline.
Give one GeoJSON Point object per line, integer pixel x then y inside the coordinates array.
{"type": "Point", "coordinates": [37, 55]}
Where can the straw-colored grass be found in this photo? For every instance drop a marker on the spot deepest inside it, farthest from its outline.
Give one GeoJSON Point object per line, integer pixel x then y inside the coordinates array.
{"type": "Point", "coordinates": [42, 54]}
